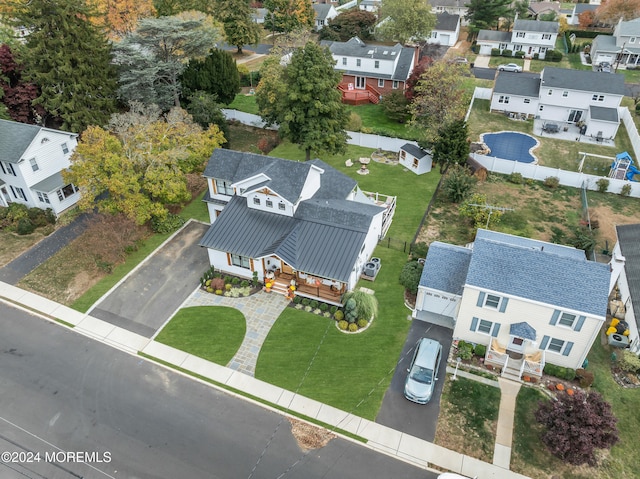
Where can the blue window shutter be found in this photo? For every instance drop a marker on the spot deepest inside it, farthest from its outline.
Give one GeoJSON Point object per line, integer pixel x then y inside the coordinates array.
{"type": "Point", "coordinates": [495, 330]}
{"type": "Point", "coordinates": [567, 349]}
{"type": "Point", "coordinates": [545, 341]}
{"type": "Point", "coordinates": [480, 299]}
{"type": "Point", "coordinates": [580, 323]}
{"type": "Point", "coordinates": [474, 323]}
{"type": "Point", "coordinates": [554, 318]}
{"type": "Point", "coordinates": [503, 304]}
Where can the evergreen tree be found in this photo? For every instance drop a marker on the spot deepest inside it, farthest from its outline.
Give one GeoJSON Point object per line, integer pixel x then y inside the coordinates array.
{"type": "Point", "coordinates": [486, 14]}
{"type": "Point", "coordinates": [304, 100]}
{"type": "Point", "coordinates": [217, 74]}
{"type": "Point", "coordinates": [152, 58]}
{"type": "Point", "coordinates": [239, 27]}
{"type": "Point", "coordinates": [69, 59]}
{"type": "Point", "coordinates": [451, 147]}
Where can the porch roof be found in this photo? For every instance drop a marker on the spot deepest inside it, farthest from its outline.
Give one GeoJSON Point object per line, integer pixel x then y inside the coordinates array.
{"type": "Point", "coordinates": [603, 114]}
{"type": "Point", "coordinates": [523, 330]}
{"type": "Point", "coordinates": [49, 184]}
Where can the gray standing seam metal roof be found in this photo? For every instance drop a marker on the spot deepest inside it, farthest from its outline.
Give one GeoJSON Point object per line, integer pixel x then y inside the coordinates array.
{"type": "Point", "coordinates": [630, 28]}
{"type": "Point", "coordinates": [446, 267]}
{"type": "Point", "coordinates": [446, 22]}
{"type": "Point", "coordinates": [583, 80]}
{"type": "Point", "coordinates": [523, 84]}
{"type": "Point", "coordinates": [415, 150]}
{"type": "Point", "coordinates": [285, 177]}
{"type": "Point", "coordinates": [494, 36]}
{"type": "Point", "coordinates": [603, 113]}
{"type": "Point", "coordinates": [535, 26]}
{"type": "Point", "coordinates": [540, 275]}
{"type": "Point", "coordinates": [629, 239]}
{"type": "Point", "coordinates": [15, 138]}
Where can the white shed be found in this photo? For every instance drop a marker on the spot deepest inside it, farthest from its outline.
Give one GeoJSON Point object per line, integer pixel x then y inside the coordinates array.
{"type": "Point", "coordinates": [415, 158]}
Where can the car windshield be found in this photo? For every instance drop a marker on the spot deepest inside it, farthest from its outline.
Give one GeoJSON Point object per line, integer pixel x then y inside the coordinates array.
{"type": "Point", "coordinates": [421, 375]}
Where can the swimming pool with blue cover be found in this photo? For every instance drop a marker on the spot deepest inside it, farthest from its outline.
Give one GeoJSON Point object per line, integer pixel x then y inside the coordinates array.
{"type": "Point", "coordinates": [511, 145]}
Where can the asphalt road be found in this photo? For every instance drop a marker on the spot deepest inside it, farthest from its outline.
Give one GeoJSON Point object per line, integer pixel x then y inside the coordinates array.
{"type": "Point", "coordinates": [399, 413]}
{"type": "Point", "coordinates": [152, 293]}
{"type": "Point", "coordinates": [64, 396]}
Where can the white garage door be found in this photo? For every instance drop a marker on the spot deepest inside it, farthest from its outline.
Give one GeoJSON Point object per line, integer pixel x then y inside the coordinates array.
{"type": "Point", "coordinates": [438, 303]}
{"type": "Point", "coordinates": [444, 39]}
{"type": "Point", "coordinates": [604, 58]}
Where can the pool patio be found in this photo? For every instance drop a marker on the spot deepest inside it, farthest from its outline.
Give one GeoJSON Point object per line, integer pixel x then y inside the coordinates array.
{"type": "Point", "coordinates": [570, 132]}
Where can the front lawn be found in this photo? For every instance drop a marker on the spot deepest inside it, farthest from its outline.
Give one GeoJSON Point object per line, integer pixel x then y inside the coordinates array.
{"type": "Point", "coordinates": [213, 333]}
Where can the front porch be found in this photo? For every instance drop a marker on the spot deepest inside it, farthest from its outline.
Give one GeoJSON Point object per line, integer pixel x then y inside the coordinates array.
{"type": "Point", "coordinates": [514, 364]}
{"type": "Point", "coordinates": [307, 286]}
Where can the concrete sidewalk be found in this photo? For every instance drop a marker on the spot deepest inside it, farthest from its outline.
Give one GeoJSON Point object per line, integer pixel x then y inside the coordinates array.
{"type": "Point", "coordinates": [380, 438]}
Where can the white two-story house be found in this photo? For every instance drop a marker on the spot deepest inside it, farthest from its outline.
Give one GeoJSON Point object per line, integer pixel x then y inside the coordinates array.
{"type": "Point", "coordinates": [530, 302]}
{"type": "Point", "coordinates": [31, 161]}
{"type": "Point", "coordinates": [532, 37]}
{"type": "Point", "coordinates": [371, 71]}
{"type": "Point", "coordinates": [565, 96]}
{"type": "Point", "coordinates": [300, 221]}
{"type": "Point", "coordinates": [622, 48]}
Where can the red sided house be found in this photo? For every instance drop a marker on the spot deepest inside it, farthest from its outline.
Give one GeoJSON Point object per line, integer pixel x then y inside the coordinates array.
{"type": "Point", "coordinates": [371, 71]}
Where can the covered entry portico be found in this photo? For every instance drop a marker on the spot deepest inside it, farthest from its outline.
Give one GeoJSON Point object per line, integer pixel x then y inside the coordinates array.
{"type": "Point", "coordinates": [520, 356]}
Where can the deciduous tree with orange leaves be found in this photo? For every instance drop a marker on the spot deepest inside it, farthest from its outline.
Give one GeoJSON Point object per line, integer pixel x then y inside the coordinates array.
{"type": "Point", "coordinates": [611, 11]}
{"type": "Point", "coordinates": [121, 16]}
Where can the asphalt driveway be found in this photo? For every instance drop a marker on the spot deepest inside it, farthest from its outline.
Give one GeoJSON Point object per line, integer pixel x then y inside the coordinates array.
{"type": "Point", "coordinates": [144, 301]}
{"type": "Point", "coordinates": [397, 412]}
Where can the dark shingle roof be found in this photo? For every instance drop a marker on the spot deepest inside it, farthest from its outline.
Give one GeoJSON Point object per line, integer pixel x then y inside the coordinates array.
{"type": "Point", "coordinates": [334, 184]}
{"type": "Point", "coordinates": [322, 10]}
{"type": "Point", "coordinates": [446, 267]}
{"type": "Point", "coordinates": [603, 114]}
{"type": "Point", "coordinates": [523, 330]}
{"type": "Point", "coordinates": [414, 150]}
{"type": "Point", "coordinates": [447, 22]}
{"type": "Point", "coordinates": [285, 177]}
{"type": "Point", "coordinates": [539, 7]}
{"type": "Point", "coordinates": [583, 80]}
{"type": "Point", "coordinates": [494, 36]}
{"type": "Point", "coordinates": [449, 3]}
{"type": "Point", "coordinates": [15, 138]}
{"type": "Point", "coordinates": [605, 43]}
{"type": "Point", "coordinates": [629, 239]}
{"type": "Point", "coordinates": [540, 272]}
{"type": "Point", "coordinates": [535, 26]}
{"type": "Point", "coordinates": [522, 84]}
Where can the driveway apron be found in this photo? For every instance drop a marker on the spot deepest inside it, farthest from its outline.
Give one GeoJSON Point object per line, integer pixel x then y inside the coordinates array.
{"type": "Point", "coordinates": [150, 295]}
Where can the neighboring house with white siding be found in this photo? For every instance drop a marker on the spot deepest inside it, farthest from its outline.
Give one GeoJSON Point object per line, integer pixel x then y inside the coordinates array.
{"type": "Point", "coordinates": [452, 7]}
{"type": "Point", "coordinates": [530, 302]}
{"type": "Point", "coordinates": [324, 12]}
{"type": "Point", "coordinates": [300, 221]}
{"type": "Point", "coordinates": [621, 48]}
{"type": "Point", "coordinates": [532, 37]}
{"type": "Point", "coordinates": [447, 30]}
{"type": "Point", "coordinates": [31, 161]}
{"type": "Point", "coordinates": [563, 95]}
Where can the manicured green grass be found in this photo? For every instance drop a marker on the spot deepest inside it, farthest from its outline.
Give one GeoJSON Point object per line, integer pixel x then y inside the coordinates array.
{"type": "Point", "coordinates": [245, 103]}
{"type": "Point", "coordinates": [213, 333]}
{"type": "Point", "coordinates": [374, 120]}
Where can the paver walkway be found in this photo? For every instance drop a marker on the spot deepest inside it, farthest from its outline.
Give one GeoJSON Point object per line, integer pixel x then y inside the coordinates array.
{"type": "Point", "coordinates": [504, 434]}
{"type": "Point", "coordinates": [260, 311]}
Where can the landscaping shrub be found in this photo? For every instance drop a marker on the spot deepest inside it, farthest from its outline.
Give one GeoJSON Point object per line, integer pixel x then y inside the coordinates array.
{"type": "Point", "coordinates": [227, 279]}
{"type": "Point", "coordinates": [576, 426]}
{"type": "Point", "coordinates": [217, 283]}
{"type": "Point", "coordinates": [25, 226]}
{"type": "Point", "coordinates": [297, 299]}
{"type": "Point", "coordinates": [552, 182]}
{"type": "Point", "coordinates": [228, 286]}
{"type": "Point", "coordinates": [353, 327]}
{"type": "Point", "coordinates": [553, 56]}
{"type": "Point", "coordinates": [244, 283]}
{"type": "Point", "coordinates": [338, 315]}
{"type": "Point", "coordinates": [603, 185]}
{"type": "Point", "coordinates": [323, 307]}
{"type": "Point", "coordinates": [254, 280]}
{"type": "Point", "coordinates": [465, 350]}
{"type": "Point", "coordinates": [559, 372]}
{"type": "Point", "coordinates": [586, 377]}
{"type": "Point", "coordinates": [507, 53]}
{"type": "Point", "coordinates": [480, 350]}
{"type": "Point", "coordinates": [625, 190]}
{"type": "Point", "coordinates": [410, 276]}
{"type": "Point", "coordinates": [305, 301]}
{"type": "Point", "coordinates": [314, 304]}
{"type": "Point", "coordinates": [308, 309]}
{"type": "Point", "coordinates": [218, 292]}
{"type": "Point", "coordinates": [235, 281]}
{"type": "Point", "coordinates": [515, 178]}
{"type": "Point", "coordinates": [333, 309]}
{"type": "Point", "coordinates": [343, 325]}
{"type": "Point", "coordinates": [166, 224]}
{"type": "Point", "coordinates": [350, 312]}
{"type": "Point", "coordinates": [629, 362]}
{"type": "Point", "coordinates": [41, 217]}
{"type": "Point", "coordinates": [366, 305]}
{"type": "Point", "coordinates": [519, 54]}
{"type": "Point", "coordinates": [208, 275]}
{"type": "Point", "coordinates": [355, 122]}
{"type": "Point", "coordinates": [536, 56]}
{"type": "Point", "coordinates": [583, 238]}
{"type": "Point", "coordinates": [495, 52]}
{"type": "Point", "coordinates": [458, 184]}
{"type": "Point", "coordinates": [419, 250]}
{"type": "Point", "coordinates": [395, 105]}
{"type": "Point", "coordinates": [362, 323]}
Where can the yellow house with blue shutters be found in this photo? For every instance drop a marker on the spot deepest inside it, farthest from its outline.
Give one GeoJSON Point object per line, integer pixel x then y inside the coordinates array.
{"type": "Point", "coordinates": [530, 302]}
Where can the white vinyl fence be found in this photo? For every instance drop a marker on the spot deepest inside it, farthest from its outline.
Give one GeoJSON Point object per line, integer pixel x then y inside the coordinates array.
{"type": "Point", "coordinates": [355, 138]}
{"type": "Point", "coordinates": [480, 94]}
{"type": "Point", "coordinates": [540, 173]}
{"type": "Point", "coordinates": [625, 116]}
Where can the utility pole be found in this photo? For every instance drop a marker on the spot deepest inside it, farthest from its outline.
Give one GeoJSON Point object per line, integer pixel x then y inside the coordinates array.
{"type": "Point", "coordinates": [491, 210]}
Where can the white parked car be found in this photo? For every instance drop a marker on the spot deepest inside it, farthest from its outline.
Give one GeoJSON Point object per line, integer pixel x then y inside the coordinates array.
{"type": "Point", "coordinates": [510, 67]}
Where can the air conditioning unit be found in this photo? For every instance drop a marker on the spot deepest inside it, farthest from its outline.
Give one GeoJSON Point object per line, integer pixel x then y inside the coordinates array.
{"type": "Point", "coordinates": [618, 340]}
{"type": "Point", "coordinates": [376, 261]}
{"type": "Point", "coordinates": [370, 269]}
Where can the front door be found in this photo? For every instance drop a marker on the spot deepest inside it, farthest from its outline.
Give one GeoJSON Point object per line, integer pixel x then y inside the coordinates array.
{"type": "Point", "coordinates": [5, 196]}
{"type": "Point", "coordinates": [516, 344]}
{"type": "Point", "coordinates": [361, 83]}
{"type": "Point", "coordinates": [575, 116]}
